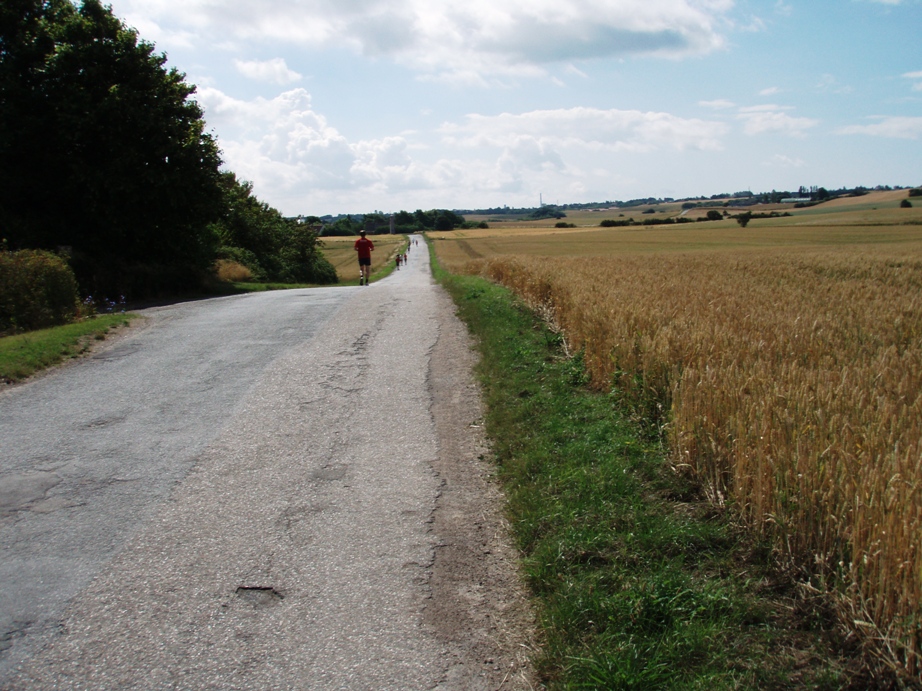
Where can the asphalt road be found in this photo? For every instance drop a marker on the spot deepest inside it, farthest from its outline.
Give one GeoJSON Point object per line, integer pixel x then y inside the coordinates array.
{"type": "Point", "coordinates": [238, 494]}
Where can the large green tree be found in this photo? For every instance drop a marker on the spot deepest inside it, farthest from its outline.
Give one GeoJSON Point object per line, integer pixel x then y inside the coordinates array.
{"type": "Point", "coordinates": [101, 148]}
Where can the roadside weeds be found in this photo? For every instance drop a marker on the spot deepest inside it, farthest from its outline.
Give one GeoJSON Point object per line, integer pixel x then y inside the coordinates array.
{"type": "Point", "coordinates": [23, 355]}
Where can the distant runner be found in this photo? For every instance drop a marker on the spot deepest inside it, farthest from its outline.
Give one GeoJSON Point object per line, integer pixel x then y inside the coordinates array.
{"type": "Point", "coordinates": [364, 247]}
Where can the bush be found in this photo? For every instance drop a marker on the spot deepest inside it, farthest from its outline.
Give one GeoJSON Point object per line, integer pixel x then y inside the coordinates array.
{"type": "Point", "coordinates": [37, 290]}
{"type": "Point", "coordinates": [229, 270]}
{"type": "Point", "coordinates": [905, 204]}
{"type": "Point", "coordinates": [915, 192]}
{"type": "Point", "coordinates": [244, 258]}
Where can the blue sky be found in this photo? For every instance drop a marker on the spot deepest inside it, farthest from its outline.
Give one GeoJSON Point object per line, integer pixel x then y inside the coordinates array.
{"type": "Point", "coordinates": [350, 106]}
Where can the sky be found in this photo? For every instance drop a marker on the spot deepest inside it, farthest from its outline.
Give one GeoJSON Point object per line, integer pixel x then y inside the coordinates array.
{"type": "Point", "coordinates": [353, 106]}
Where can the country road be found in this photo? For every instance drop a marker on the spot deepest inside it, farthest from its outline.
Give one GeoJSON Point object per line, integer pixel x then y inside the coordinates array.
{"type": "Point", "coordinates": [282, 490]}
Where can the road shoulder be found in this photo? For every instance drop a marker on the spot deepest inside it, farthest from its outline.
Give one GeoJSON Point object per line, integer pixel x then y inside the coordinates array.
{"type": "Point", "coordinates": [479, 605]}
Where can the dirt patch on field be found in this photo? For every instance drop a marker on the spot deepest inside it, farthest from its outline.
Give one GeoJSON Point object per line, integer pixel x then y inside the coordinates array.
{"type": "Point", "coordinates": [479, 607]}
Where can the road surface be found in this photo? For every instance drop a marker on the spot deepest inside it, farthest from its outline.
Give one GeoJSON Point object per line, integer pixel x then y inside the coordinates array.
{"type": "Point", "coordinates": [274, 491]}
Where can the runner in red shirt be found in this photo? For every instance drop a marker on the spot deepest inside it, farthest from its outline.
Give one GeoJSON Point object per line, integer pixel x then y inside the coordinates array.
{"type": "Point", "coordinates": [364, 247]}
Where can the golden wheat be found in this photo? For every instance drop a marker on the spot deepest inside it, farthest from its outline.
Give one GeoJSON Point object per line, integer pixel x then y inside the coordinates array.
{"type": "Point", "coordinates": [790, 385]}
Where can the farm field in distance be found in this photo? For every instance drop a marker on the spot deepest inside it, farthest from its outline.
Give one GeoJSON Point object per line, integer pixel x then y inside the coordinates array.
{"type": "Point", "coordinates": [340, 253]}
{"type": "Point", "coordinates": [872, 219]}
{"type": "Point", "coordinates": [781, 362]}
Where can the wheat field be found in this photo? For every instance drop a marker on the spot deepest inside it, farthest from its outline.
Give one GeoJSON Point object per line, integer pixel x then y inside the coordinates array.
{"type": "Point", "coordinates": [340, 253]}
{"type": "Point", "coordinates": [782, 363]}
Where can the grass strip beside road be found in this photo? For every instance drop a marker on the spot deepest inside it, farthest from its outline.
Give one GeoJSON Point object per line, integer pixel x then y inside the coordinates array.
{"type": "Point", "coordinates": [638, 584]}
{"type": "Point", "coordinates": [22, 355]}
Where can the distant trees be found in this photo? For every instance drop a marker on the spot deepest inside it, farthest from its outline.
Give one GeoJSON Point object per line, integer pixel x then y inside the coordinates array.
{"type": "Point", "coordinates": [376, 223]}
{"type": "Point", "coordinates": [101, 150]}
{"type": "Point", "coordinates": [344, 225]}
{"type": "Point", "coordinates": [419, 220]}
{"type": "Point", "coordinates": [547, 211]}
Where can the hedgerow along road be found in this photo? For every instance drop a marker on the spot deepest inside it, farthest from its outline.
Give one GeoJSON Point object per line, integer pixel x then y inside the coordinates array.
{"type": "Point", "coordinates": [240, 493]}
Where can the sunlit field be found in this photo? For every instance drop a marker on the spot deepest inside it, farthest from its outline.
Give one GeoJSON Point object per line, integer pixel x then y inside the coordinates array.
{"type": "Point", "coordinates": [782, 365]}
{"type": "Point", "coordinates": [340, 253]}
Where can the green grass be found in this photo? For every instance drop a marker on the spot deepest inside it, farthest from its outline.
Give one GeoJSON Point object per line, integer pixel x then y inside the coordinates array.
{"type": "Point", "coordinates": [638, 584]}
{"type": "Point", "coordinates": [22, 355]}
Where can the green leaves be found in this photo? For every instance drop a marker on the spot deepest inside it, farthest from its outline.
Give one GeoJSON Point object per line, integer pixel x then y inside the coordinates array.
{"type": "Point", "coordinates": [101, 149]}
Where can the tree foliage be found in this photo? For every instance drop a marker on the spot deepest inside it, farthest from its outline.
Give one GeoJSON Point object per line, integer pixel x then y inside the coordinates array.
{"type": "Point", "coordinates": [272, 247]}
{"type": "Point", "coordinates": [101, 148]}
{"type": "Point", "coordinates": [546, 211]}
{"type": "Point", "coordinates": [419, 220]}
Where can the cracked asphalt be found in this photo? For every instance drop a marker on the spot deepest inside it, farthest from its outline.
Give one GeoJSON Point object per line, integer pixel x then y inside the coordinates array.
{"type": "Point", "coordinates": [282, 490]}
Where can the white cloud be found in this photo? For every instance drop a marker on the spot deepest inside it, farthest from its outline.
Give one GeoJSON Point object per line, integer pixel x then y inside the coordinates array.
{"type": "Point", "coordinates": [783, 8]}
{"type": "Point", "coordinates": [719, 104]}
{"type": "Point", "coordinates": [829, 84]}
{"type": "Point", "coordinates": [770, 91]}
{"type": "Point", "coordinates": [573, 69]}
{"type": "Point", "coordinates": [278, 143]}
{"type": "Point", "coordinates": [458, 39]}
{"type": "Point", "coordinates": [889, 127]}
{"type": "Point", "coordinates": [782, 161]}
{"type": "Point", "coordinates": [587, 128]}
{"type": "Point", "coordinates": [297, 160]}
{"type": "Point", "coordinates": [273, 71]}
{"type": "Point", "coordinates": [767, 119]}
{"type": "Point", "coordinates": [917, 77]}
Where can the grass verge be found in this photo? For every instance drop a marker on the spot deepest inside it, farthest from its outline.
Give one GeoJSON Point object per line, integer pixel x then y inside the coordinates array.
{"type": "Point", "coordinates": [22, 355]}
{"type": "Point", "coordinates": [638, 584]}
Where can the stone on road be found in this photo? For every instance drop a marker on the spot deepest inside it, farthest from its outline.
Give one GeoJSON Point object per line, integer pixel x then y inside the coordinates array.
{"type": "Point", "coordinates": [292, 540]}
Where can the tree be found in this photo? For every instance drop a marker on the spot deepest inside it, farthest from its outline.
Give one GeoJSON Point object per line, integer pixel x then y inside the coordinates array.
{"type": "Point", "coordinates": [446, 220]}
{"type": "Point", "coordinates": [744, 218]}
{"type": "Point", "coordinates": [272, 247]}
{"type": "Point", "coordinates": [375, 224]}
{"type": "Point", "coordinates": [101, 148]}
{"type": "Point", "coordinates": [714, 215]}
{"type": "Point", "coordinates": [304, 263]}
{"type": "Point", "coordinates": [342, 226]}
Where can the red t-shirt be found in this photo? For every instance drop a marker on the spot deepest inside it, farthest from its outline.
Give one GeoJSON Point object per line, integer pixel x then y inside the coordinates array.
{"type": "Point", "coordinates": [364, 246]}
